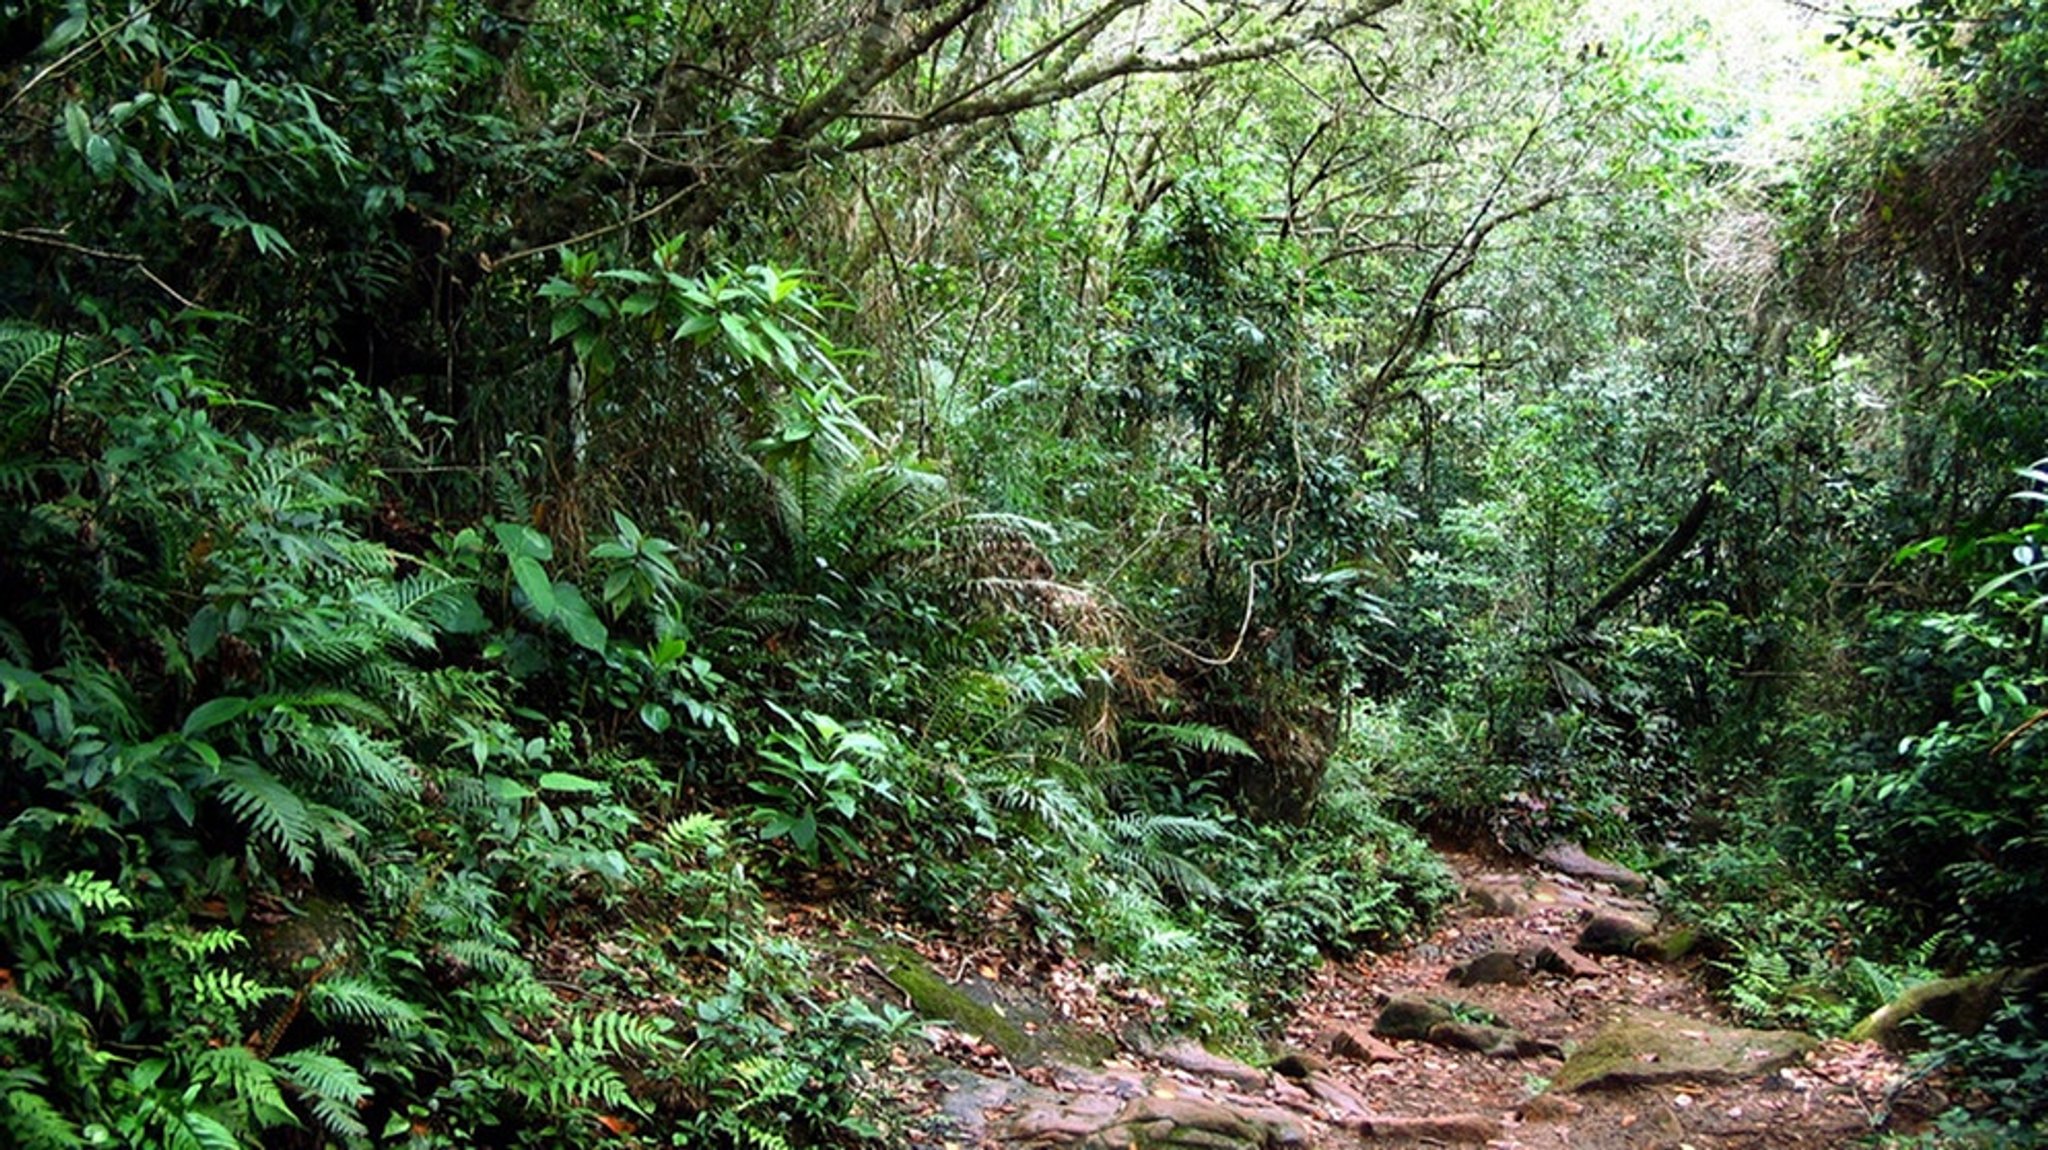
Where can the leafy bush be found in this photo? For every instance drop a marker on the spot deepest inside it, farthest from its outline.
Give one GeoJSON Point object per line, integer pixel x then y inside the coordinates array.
{"type": "Point", "coordinates": [2004, 1071]}
{"type": "Point", "coordinates": [282, 857]}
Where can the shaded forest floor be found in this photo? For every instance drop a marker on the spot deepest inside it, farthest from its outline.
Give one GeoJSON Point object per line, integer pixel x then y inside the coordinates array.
{"type": "Point", "coordinates": [1546, 1046]}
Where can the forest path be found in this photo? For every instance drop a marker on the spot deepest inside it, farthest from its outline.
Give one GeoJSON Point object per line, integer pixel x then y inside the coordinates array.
{"type": "Point", "coordinates": [1652, 1063]}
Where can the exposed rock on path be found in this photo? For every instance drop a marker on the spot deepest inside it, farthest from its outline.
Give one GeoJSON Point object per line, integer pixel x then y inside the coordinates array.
{"type": "Point", "coordinates": [1539, 1045]}
{"type": "Point", "coordinates": [1572, 859]}
{"type": "Point", "coordinates": [1640, 1047]}
{"type": "Point", "coordinates": [1961, 1004]}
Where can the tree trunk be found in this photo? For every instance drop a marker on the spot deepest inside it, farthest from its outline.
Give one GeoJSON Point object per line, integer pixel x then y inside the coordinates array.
{"type": "Point", "coordinates": [1647, 569]}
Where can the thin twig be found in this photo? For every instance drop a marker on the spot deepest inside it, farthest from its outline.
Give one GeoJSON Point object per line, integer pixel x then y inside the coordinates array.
{"type": "Point", "coordinates": [491, 265]}
{"type": "Point", "coordinates": [73, 54]}
{"type": "Point", "coordinates": [52, 240]}
{"type": "Point", "coordinates": [2013, 735]}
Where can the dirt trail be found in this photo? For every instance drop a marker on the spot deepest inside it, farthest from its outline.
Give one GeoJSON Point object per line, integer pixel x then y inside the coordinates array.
{"type": "Point", "coordinates": [1653, 1063]}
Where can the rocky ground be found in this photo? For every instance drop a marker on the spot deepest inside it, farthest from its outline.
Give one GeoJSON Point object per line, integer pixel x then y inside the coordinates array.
{"type": "Point", "coordinates": [1553, 1009]}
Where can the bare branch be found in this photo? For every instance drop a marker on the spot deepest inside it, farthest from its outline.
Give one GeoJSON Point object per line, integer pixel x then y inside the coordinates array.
{"type": "Point", "coordinates": [1133, 63]}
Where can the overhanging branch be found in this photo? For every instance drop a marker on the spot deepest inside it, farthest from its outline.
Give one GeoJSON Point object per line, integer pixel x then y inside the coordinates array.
{"type": "Point", "coordinates": [1647, 569]}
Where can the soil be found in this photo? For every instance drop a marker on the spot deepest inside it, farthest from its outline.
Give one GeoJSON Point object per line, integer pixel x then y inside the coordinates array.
{"type": "Point", "coordinates": [1333, 1084]}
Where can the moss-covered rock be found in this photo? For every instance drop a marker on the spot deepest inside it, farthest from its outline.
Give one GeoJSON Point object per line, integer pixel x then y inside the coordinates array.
{"type": "Point", "coordinates": [1610, 932]}
{"type": "Point", "coordinates": [1962, 1005]}
{"type": "Point", "coordinates": [1497, 1041]}
{"type": "Point", "coordinates": [1670, 945]}
{"type": "Point", "coordinates": [1572, 859]}
{"type": "Point", "coordinates": [1147, 1122]}
{"type": "Point", "coordinates": [1649, 1046]}
{"type": "Point", "coordinates": [1495, 966]}
{"type": "Point", "coordinates": [1410, 1018]}
{"type": "Point", "coordinates": [982, 1009]}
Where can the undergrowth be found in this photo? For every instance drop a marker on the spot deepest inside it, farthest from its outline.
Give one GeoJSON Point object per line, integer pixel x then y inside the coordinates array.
{"type": "Point", "coordinates": [325, 826]}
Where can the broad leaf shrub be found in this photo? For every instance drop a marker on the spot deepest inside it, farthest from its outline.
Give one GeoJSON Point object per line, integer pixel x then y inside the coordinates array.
{"type": "Point", "coordinates": [1900, 839]}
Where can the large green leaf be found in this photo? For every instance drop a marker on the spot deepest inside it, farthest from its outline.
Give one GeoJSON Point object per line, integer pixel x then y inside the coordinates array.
{"type": "Point", "coordinates": [213, 713]}
{"type": "Point", "coordinates": [573, 611]}
{"type": "Point", "coordinates": [534, 583]}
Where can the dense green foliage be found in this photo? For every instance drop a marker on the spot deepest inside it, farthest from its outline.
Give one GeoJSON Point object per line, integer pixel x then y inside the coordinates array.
{"type": "Point", "coordinates": [504, 496]}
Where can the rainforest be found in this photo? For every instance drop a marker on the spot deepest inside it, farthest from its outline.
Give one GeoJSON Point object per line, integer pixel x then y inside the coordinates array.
{"type": "Point", "coordinates": [1022, 573]}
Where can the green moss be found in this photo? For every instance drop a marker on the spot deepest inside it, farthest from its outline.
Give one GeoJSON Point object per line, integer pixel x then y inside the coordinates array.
{"type": "Point", "coordinates": [933, 997]}
{"type": "Point", "coordinates": [1674, 944]}
{"type": "Point", "coordinates": [1651, 1046]}
{"type": "Point", "coordinates": [1961, 1005]}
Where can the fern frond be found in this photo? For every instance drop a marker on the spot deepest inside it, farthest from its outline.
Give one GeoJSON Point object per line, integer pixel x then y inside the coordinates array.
{"type": "Point", "coordinates": [29, 1120]}
{"type": "Point", "coordinates": [1146, 845]}
{"type": "Point", "coordinates": [232, 990]}
{"type": "Point", "coordinates": [72, 898]}
{"type": "Point", "coordinates": [352, 762]}
{"type": "Point", "coordinates": [33, 363]}
{"type": "Point", "coordinates": [1052, 804]}
{"type": "Point", "coordinates": [746, 1133]}
{"type": "Point", "coordinates": [612, 1033]}
{"type": "Point", "coordinates": [333, 1090]}
{"type": "Point", "coordinates": [515, 995]}
{"type": "Point", "coordinates": [768, 1079]}
{"type": "Point", "coordinates": [329, 644]}
{"type": "Point", "coordinates": [247, 1083]}
{"type": "Point", "coordinates": [327, 701]}
{"type": "Point", "coordinates": [486, 957]}
{"type": "Point", "coordinates": [271, 809]}
{"type": "Point", "coordinates": [568, 1082]}
{"type": "Point", "coordinates": [874, 519]}
{"type": "Point", "coordinates": [355, 1000]}
{"type": "Point", "coordinates": [338, 836]}
{"type": "Point", "coordinates": [772, 611]}
{"type": "Point", "coordinates": [289, 482]}
{"type": "Point", "coordinates": [41, 898]}
{"type": "Point", "coordinates": [429, 698]}
{"type": "Point", "coordinates": [463, 905]}
{"type": "Point", "coordinates": [1200, 738]}
{"type": "Point", "coordinates": [692, 835]}
{"type": "Point", "coordinates": [383, 604]}
{"type": "Point", "coordinates": [202, 944]}
{"type": "Point", "coordinates": [105, 698]}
